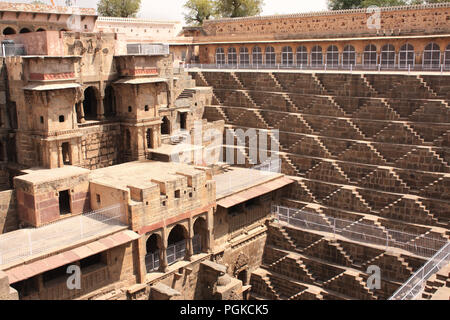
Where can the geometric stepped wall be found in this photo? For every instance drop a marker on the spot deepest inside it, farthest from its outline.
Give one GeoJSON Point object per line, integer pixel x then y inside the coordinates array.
{"type": "Point", "coordinates": [373, 147]}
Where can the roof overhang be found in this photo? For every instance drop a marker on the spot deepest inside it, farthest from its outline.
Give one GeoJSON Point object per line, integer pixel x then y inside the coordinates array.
{"type": "Point", "coordinates": [32, 269]}
{"type": "Point", "coordinates": [47, 87]}
{"type": "Point", "coordinates": [141, 80]}
{"type": "Point", "coordinates": [253, 192]}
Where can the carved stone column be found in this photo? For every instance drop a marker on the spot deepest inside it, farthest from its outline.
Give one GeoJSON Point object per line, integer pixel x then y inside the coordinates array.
{"type": "Point", "coordinates": [100, 109]}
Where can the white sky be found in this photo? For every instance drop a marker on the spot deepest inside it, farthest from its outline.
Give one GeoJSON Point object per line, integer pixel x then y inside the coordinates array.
{"type": "Point", "coordinates": [173, 9]}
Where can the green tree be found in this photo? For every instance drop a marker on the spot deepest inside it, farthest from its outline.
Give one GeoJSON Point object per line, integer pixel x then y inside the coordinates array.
{"type": "Point", "coordinates": [118, 8]}
{"type": "Point", "coordinates": [344, 4]}
{"type": "Point", "coordinates": [383, 3]}
{"type": "Point", "coordinates": [238, 8]}
{"type": "Point", "coordinates": [198, 11]}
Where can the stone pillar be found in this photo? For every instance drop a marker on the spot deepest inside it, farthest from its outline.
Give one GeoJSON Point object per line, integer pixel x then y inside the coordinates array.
{"type": "Point", "coordinates": [140, 254]}
{"type": "Point", "coordinates": [189, 249]}
{"type": "Point", "coordinates": [81, 108]}
{"type": "Point", "coordinates": [60, 158]}
{"type": "Point", "coordinates": [100, 109]}
{"type": "Point", "coordinates": [209, 226]}
{"type": "Point", "coordinates": [189, 241]}
{"type": "Point", "coordinates": [163, 264]}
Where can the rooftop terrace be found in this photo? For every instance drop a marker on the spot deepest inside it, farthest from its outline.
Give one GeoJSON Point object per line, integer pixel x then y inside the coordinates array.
{"type": "Point", "coordinates": [24, 244]}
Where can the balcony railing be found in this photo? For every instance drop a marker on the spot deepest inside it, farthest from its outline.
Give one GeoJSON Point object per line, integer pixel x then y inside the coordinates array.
{"type": "Point", "coordinates": [152, 261]}
{"type": "Point", "coordinates": [24, 243]}
{"type": "Point", "coordinates": [152, 49]}
{"type": "Point", "coordinates": [415, 284]}
{"type": "Point", "coordinates": [360, 231]}
{"type": "Point", "coordinates": [324, 67]}
{"type": "Point", "coordinates": [175, 252]}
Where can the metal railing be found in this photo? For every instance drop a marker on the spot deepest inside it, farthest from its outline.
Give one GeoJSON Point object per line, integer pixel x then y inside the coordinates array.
{"type": "Point", "coordinates": [148, 49]}
{"type": "Point", "coordinates": [23, 243]}
{"type": "Point", "coordinates": [176, 252]}
{"type": "Point", "coordinates": [323, 67]}
{"type": "Point", "coordinates": [10, 50]}
{"type": "Point", "coordinates": [416, 283]}
{"type": "Point", "coordinates": [152, 261]}
{"type": "Point", "coordinates": [418, 244]}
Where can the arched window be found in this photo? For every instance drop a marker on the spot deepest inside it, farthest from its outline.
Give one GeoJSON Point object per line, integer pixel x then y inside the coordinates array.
{"type": "Point", "coordinates": [302, 56]}
{"type": "Point", "coordinates": [287, 57]}
{"type": "Point", "coordinates": [316, 56]}
{"type": "Point", "coordinates": [244, 58]}
{"type": "Point", "coordinates": [332, 56]}
{"type": "Point", "coordinates": [232, 56]}
{"type": "Point", "coordinates": [257, 55]}
{"type": "Point", "coordinates": [388, 56]}
{"type": "Point", "coordinates": [200, 236]}
{"type": "Point", "coordinates": [270, 56]}
{"type": "Point", "coordinates": [220, 56]}
{"type": "Point", "coordinates": [370, 56]}
{"type": "Point", "coordinates": [447, 57]}
{"type": "Point", "coordinates": [24, 30]}
{"type": "Point", "coordinates": [8, 31]}
{"type": "Point", "coordinates": [432, 56]}
{"type": "Point", "coordinates": [406, 56]}
{"type": "Point", "coordinates": [176, 244]}
{"type": "Point", "coordinates": [152, 257]}
{"type": "Point", "coordinates": [349, 56]}
{"type": "Point", "coordinates": [40, 30]}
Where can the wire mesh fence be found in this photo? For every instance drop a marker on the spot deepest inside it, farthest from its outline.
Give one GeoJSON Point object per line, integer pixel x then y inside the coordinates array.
{"type": "Point", "coordinates": [176, 252]}
{"type": "Point", "coordinates": [152, 261]}
{"type": "Point", "coordinates": [324, 67]}
{"type": "Point", "coordinates": [416, 283]}
{"type": "Point", "coordinates": [27, 242]}
{"type": "Point", "coordinates": [361, 230]}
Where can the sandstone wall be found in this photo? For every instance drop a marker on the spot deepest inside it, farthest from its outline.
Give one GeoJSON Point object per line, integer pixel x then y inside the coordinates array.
{"type": "Point", "coordinates": [188, 284]}
{"type": "Point", "coordinates": [99, 281]}
{"type": "Point", "coordinates": [349, 23]}
{"type": "Point", "coordinates": [100, 146]}
{"type": "Point", "coordinates": [9, 220]}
